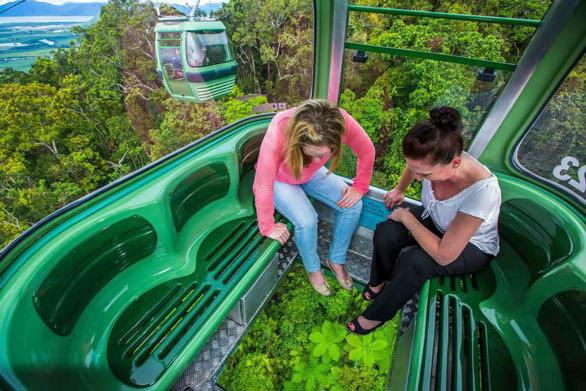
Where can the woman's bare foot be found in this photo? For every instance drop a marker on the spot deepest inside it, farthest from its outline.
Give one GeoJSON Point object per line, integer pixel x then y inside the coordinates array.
{"type": "Point", "coordinates": [317, 278]}
{"type": "Point", "coordinates": [366, 323]}
{"type": "Point", "coordinates": [363, 326]}
{"type": "Point", "coordinates": [339, 270]}
{"type": "Point", "coordinates": [342, 275]}
{"type": "Point", "coordinates": [375, 289]}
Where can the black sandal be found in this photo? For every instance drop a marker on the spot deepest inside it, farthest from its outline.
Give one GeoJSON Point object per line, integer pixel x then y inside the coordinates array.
{"type": "Point", "coordinates": [372, 294]}
{"type": "Point", "coordinates": [359, 330]}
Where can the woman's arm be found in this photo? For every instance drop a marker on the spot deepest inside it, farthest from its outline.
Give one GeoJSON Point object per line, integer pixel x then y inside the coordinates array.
{"type": "Point", "coordinates": [445, 250]}
{"type": "Point", "coordinates": [406, 178]}
{"type": "Point", "coordinates": [359, 142]}
{"type": "Point", "coordinates": [396, 196]}
{"type": "Point", "coordinates": [269, 158]}
{"type": "Point", "coordinates": [475, 209]}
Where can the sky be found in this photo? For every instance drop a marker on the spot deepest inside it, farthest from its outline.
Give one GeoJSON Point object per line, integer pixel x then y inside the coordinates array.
{"type": "Point", "coordinates": [181, 2]}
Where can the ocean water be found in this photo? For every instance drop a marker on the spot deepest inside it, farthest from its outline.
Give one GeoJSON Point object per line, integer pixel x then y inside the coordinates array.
{"type": "Point", "coordinates": [44, 19]}
{"type": "Point", "coordinates": [23, 39]}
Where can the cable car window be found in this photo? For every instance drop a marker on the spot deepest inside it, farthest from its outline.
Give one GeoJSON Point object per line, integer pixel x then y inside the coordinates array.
{"type": "Point", "coordinates": [170, 39]}
{"type": "Point", "coordinates": [398, 66]}
{"type": "Point", "coordinates": [389, 94]}
{"type": "Point", "coordinates": [205, 48]}
{"type": "Point", "coordinates": [552, 150]}
{"type": "Point", "coordinates": [171, 60]}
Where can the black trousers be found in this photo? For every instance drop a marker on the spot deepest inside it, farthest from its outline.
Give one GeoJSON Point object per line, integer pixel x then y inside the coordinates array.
{"type": "Point", "coordinates": [407, 271]}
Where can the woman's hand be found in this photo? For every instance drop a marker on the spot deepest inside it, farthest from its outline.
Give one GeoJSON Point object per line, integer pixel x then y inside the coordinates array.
{"type": "Point", "coordinates": [400, 215]}
{"type": "Point", "coordinates": [350, 196]}
{"type": "Point", "coordinates": [393, 198]}
{"type": "Point", "coordinates": [280, 233]}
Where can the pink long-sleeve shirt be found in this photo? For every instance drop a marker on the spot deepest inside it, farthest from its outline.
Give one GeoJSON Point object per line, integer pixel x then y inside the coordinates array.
{"type": "Point", "coordinates": [271, 164]}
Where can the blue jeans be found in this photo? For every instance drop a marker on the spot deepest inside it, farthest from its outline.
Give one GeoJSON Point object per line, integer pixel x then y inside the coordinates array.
{"type": "Point", "coordinates": [292, 202]}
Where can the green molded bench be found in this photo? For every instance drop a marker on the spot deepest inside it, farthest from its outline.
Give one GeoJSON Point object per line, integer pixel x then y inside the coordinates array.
{"type": "Point", "coordinates": [155, 327]}
{"type": "Point", "coordinates": [519, 324]}
{"type": "Point", "coordinates": [122, 292]}
{"type": "Point", "coordinates": [88, 267]}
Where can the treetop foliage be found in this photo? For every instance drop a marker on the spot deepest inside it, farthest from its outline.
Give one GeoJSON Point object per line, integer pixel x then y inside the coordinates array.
{"type": "Point", "coordinates": [98, 111]}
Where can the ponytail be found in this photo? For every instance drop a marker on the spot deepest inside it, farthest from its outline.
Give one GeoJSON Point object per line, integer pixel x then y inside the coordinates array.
{"type": "Point", "coordinates": [437, 138]}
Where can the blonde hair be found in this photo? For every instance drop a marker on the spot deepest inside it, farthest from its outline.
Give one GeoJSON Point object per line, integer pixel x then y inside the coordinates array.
{"type": "Point", "coordinates": [315, 122]}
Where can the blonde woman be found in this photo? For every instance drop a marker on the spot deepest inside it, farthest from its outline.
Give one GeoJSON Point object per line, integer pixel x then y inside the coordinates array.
{"type": "Point", "coordinates": [297, 145]}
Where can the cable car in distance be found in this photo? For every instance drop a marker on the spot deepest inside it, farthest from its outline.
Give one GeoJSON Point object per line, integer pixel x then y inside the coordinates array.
{"type": "Point", "coordinates": [194, 58]}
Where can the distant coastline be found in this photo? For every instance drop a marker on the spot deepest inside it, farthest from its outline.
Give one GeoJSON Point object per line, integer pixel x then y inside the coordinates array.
{"type": "Point", "coordinates": [43, 19]}
{"type": "Point", "coordinates": [25, 38]}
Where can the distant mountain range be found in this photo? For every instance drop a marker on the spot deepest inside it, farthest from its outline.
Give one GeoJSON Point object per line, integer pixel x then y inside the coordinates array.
{"type": "Point", "coordinates": [37, 8]}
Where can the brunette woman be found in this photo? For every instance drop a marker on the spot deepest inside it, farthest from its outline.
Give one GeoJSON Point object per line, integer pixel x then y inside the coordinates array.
{"type": "Point", "coordinates": [455, 232]}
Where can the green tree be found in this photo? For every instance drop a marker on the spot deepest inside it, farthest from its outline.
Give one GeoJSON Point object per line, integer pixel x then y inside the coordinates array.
{"type": "Point", "coordinates": [366, 350]}
{"type": "Point", "coordinates": [236, 106]}
{"type": "Point", "coordinates": [390, 94]}
{"type": "Point", "coordinates": [143, 90]}
{"type": "Point", "coordinates": [360, 379]}
{"type": "Point", "coordinates": [559, 131]}
{"type": "Point", "coordinates": [313, 375]}
{"type": "Point", "coordinates": [11, 75]}
{"type": "Point", "coordinates": [169, 10]}
{"type": "Point", "coordinates": [183, 123]}
{"type": "Point", "coordinates": [255, 373]}
{"type": "Point", "coordinates": [269, 39]}
{"type": "Point", "coordinates": [47, 158]}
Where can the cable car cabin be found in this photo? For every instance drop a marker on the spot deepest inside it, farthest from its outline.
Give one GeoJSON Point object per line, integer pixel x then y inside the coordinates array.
{"type": "Point", "coordinates": [121, 289]}
{"type": "Point", "coordinates": [194, 59]}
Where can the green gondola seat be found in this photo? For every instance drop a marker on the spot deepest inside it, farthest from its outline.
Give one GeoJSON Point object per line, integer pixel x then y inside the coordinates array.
{"type": "Point", "coordinates": [122, 290]}
{"type": "Point", "coordinates": [519, 324]}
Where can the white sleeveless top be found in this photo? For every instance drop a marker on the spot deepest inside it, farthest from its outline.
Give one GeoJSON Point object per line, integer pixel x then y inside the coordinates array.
{"type": "Point", "coordinates": [482, 199]}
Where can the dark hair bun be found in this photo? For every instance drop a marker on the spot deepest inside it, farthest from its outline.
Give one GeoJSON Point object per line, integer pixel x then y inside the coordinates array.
{"type": "Point", "coordinates": [445, 118]}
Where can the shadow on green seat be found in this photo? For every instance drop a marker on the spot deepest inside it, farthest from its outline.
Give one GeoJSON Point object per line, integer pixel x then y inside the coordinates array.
{"type": "Point", "coordinates": [535, 234]}
{"type": "Point", "coordinates": [563, 320]}
{"type": "Point", "coordinates": [204, 186]}
{"type": "Point", "coordinates": [88, 267]}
